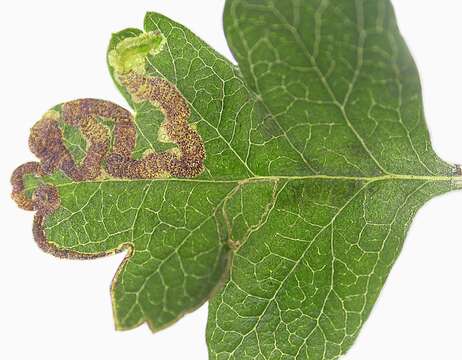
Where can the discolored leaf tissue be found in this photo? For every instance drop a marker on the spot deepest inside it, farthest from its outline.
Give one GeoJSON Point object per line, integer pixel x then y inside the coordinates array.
{"type": "Point", "coordinates": [281, 188]}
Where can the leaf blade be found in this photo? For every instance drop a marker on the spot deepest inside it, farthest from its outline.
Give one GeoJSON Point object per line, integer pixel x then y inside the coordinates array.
{"type": "Point", "coordinates": [346, 93]}
{"type": "Point", "coordinates": [323, 70]}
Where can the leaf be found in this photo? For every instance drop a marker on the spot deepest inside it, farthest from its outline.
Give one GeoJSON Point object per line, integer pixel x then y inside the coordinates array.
{"type": "Point", "coordinates": [284, 186]}
{"type": "Point", "coordinates": [153, 183]}
{"type": "Point", "coordinates": [339, 85]}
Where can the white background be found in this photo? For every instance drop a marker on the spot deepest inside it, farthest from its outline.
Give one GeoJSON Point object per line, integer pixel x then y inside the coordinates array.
{"type": "Point", "coordinates": [54, 51]}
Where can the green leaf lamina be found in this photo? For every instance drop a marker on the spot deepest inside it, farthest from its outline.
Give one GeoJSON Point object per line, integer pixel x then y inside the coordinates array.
{"type": "Point", "coordinates": [340, 86]}
{"type": "Point", "coordinates": [283, 186]}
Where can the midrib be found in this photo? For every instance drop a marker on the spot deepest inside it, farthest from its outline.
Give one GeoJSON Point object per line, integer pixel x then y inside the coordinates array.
{"type": "Point", "coordinates": [457, 180]}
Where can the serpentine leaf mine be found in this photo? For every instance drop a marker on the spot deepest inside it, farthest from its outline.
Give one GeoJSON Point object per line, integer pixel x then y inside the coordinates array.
{"type": "Point", "coordinates": [109, 133]}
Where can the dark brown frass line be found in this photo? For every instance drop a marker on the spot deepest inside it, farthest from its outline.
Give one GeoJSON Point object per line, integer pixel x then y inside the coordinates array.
{"type": "Point", "coordinates": [46, 142]}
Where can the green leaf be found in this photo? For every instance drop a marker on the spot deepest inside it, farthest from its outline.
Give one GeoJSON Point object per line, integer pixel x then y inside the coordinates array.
{"type": "Point", "coordinates": [341, 88]}
{"type": "Point", "coordinates": [284, 186]}
{"type": "Point", "coordinates": [109, 181]}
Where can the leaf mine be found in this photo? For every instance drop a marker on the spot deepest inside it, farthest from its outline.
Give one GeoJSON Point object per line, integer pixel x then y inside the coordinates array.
{"type": "Point", "coordinates": [110, 134]}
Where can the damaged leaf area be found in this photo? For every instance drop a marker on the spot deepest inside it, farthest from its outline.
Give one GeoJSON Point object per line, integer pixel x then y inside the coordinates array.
{"type": "Point", "coordinates": [280, 188]}
{"type": "Point", "coordinates": [151, 183]}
